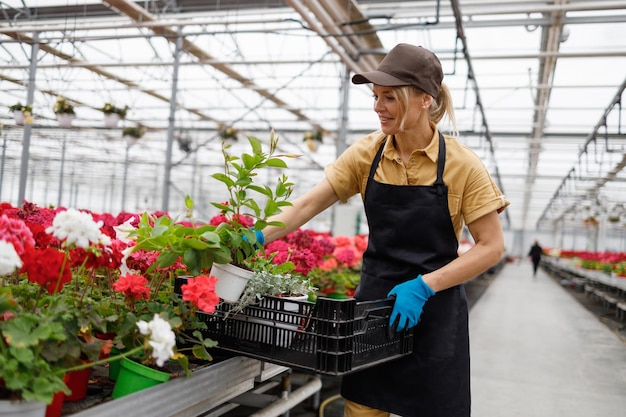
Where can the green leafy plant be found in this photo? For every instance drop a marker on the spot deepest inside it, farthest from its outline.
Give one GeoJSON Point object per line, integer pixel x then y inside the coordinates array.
{"type": "Point", "coordinates": [135, 132]}
{"type": "Point", "coordinates": [250, 199]}
{"type": "Point", "coordinates": [110, 108]}
{"type": "Point", "coordinates": [196, 245]}
{"type": "Point", "coordinates": [20, 107]}
{"type": "Point", "coordinates": [25, 337]}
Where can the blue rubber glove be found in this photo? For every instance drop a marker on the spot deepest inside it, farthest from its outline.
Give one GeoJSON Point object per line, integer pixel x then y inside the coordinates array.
{"type": "Point", "coordinates": [260, 237]}
{"type": "Point", "coordinates": [410, 298]}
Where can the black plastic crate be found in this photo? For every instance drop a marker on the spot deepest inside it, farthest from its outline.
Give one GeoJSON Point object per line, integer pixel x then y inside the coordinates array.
{"type": "Point", "coordinates": [331, 337]}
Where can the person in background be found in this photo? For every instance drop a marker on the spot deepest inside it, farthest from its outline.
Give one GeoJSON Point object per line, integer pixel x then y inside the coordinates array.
{"type": "Point", "coordinates": [419, 187]}
{"type": "Point", "coordinates": [535, 256]}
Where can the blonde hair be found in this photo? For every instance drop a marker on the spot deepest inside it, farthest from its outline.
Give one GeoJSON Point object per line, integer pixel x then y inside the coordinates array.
{"type": "Point", "coordinates": [440, 107]}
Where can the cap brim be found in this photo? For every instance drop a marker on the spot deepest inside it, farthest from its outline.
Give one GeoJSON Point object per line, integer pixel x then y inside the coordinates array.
{"type": "Point", "coordinates": [378, 77]}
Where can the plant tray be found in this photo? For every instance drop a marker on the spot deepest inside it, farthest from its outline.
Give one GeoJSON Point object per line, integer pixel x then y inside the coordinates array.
{"type": "Point", "coordinates": [331, 337]}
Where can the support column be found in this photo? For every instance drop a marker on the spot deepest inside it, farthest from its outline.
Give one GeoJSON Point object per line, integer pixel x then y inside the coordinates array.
{"type": "Point", "coordinates": [165, 202]}
{"type": "Point", "coordinates": [28, 127]}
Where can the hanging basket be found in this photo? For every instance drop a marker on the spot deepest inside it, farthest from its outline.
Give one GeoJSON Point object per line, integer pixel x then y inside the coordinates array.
{"type": "Point", "coordinates": [65, 119]}
{"type": "Point", "coordinates": [111, 120]}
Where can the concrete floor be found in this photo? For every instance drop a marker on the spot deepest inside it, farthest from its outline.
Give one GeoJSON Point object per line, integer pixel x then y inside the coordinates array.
{"type": "Point", "coordinates": [538, 352]}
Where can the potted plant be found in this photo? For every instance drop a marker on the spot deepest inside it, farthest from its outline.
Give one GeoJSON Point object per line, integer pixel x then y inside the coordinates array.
{"type": "Point", "coordinates": [277, 283]}
{"type": "Point", "coordinates": [249, 204]}
{"type": "Point", "coordinates": [22, 114]}
{"type": "Point", "coordinates": [113, 114]}
{"type": "Point", "coordinates": [313, 139]}
{"type": "Point", "coordinates": [26, 374]}
{"type": "Point", "coordinates": [56, 294]}
{"type": "Point", "coordinates": [64, 111]}
{"type": "Point", "coordinates": [132, 134]}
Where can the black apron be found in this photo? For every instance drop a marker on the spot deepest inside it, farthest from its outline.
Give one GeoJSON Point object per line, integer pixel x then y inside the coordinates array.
{"type": "Point", "coordinates": [411, 233]}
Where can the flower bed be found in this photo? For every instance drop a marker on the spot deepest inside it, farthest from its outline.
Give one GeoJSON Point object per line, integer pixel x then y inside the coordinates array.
{"type": "Point", "coordinates": [610, 262]}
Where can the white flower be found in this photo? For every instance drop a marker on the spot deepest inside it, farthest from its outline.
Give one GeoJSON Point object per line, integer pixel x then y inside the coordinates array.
{"type": "Point", "coordinates": [162, 338]}
{"type": "Point", "coordinates": [9, 259]}
{"type": "Point", "coordinates": [78, 228]}
{"type": "Point", "coordinates": [124, 230]}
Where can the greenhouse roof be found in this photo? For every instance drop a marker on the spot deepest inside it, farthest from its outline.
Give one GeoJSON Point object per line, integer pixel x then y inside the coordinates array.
{"type": "Point", "coordinates": [537, 87]}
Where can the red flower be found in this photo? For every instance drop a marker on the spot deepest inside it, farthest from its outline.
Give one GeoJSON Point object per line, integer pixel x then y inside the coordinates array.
{"type": "Point", "coordinates": [43, 266]}
{"type": "Point", "coordinates": [134, 287]}
{"type": "Point", "coordinates": [201, 292]}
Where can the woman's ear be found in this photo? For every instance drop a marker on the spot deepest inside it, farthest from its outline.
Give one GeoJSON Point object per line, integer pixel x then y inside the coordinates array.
{"type": "Point", "coordinates": [427, 100]}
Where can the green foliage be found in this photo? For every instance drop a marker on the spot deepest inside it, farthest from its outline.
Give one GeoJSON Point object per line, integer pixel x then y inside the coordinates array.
{"type": "Point", "coordinates": [20, 107]}
{"type": "Point", "coordinates": [197, 246]}
{"type": "Point", "coordinates": [248, 197]}
{"type": "Point", "coordinates": [25, 339]}
{"type": "Point", "coordinates": [276, 283]}
{"type": "Point", "coordinates": [135, 132]}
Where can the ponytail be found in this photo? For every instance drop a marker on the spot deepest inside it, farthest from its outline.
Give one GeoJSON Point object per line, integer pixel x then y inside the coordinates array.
{"type": "Point", "coordinates": [442, 106]}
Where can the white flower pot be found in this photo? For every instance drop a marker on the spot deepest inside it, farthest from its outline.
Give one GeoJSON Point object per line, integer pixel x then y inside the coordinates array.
{"type": "Point", "coordinates": [18, 116]}
{"type": "Point", "coordinates": [65, 119]}
{"type": "Point", "coordinates": [111, 120]}
{"type": "Point", "coordinates": [231, 281]}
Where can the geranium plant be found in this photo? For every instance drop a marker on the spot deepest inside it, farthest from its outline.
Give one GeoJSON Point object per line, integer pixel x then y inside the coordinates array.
{"type": "Point", "coordinates": [63, 106]}
{"type": "Point", "coordinates": [65, 282]}
{"type": "Point", "coordinates": [24, 369]}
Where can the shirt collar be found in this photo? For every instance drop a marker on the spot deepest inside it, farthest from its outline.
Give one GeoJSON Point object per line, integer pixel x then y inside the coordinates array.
{"type": "Point", "coordinates": [431, 151]}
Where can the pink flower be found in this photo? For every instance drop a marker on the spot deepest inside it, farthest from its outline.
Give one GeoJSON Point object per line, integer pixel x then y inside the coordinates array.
{"type": "Point", "coordinates": [16, 232]}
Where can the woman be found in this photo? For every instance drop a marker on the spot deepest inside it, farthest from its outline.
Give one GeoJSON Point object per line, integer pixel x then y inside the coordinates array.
{"type": "Point", "coordinates": [418, 189]}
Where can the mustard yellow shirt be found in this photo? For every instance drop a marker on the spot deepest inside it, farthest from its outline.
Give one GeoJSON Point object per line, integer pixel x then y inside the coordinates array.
{"type": "Point", "coordinates": [472, 192]}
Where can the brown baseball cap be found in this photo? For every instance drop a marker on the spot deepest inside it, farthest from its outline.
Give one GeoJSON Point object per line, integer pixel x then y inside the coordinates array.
{"type": "Point", "coordinates": [406, 65]}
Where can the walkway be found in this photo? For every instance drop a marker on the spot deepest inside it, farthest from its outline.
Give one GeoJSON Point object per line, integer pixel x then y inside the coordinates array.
{"type": "Point", "coordinates": [537, 352]}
